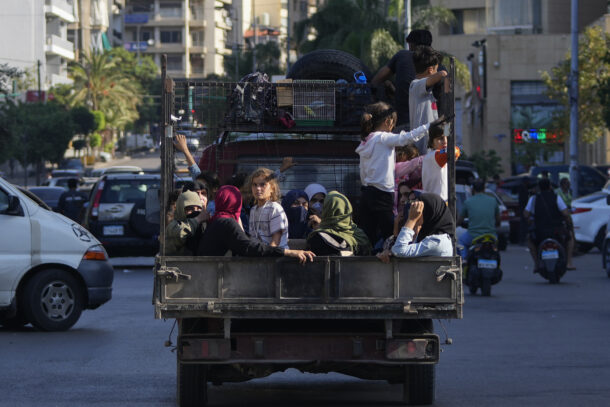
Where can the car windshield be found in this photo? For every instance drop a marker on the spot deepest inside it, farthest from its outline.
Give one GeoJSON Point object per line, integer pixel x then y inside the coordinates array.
{"type": "Point", "coordinates": [342, 175]}
{"type": "Point", "coordinates": [127, 190]}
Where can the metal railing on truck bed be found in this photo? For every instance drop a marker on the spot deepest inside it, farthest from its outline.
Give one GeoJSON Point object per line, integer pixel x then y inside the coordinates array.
{"type": "Point", "coordinates": [330, 287]}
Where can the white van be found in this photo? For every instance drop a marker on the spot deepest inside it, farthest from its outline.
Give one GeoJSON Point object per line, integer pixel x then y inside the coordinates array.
{"type": "Point", "coordinates": [50, 267]}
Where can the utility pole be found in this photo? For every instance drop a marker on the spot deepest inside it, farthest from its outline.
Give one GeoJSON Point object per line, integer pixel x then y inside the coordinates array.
{"type": "Point", "coordinates": [407, 18]}
{"type": "Point", "coordinates": [573, 93]}
{"type": "Point", "coordinates": [255, 38]}
{"type": "Point", "coordinates": [40, 99]}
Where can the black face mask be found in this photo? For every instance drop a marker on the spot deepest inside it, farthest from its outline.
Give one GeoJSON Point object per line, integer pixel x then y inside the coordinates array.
{"type": "Point", "coordinates": [193, 214]}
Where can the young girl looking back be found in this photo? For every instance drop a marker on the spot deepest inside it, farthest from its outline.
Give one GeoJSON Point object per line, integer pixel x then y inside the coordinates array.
{"type": "Point", "coordinates": [377, 163]}
{"type": "Point", "coordinates": [268, 222]}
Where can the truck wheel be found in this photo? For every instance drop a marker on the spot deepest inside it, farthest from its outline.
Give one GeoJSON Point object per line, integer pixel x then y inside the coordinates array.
{"type": "Point", "coordinates": [328, 64]}
{"type": "Point", "coordinates": [418, 388]}
{"type": "Point", "coordinates": [486, 287]}
{"type": "Point", "coordinates": [52, 300]}
{"type": "Point", "coordinates": [192, 385]}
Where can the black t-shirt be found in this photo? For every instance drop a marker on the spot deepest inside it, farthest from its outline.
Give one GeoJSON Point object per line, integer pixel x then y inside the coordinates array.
{"type": "Point", "coordinates": [225, 234]}
{"type": "Point", "coordinates": [71, 202]}
{"type": "Point", "coordinates": [403, 68]}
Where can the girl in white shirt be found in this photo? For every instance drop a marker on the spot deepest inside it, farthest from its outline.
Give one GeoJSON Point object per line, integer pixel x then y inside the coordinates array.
{"type": "Point", "coordinates": [268, 222]}
{"type": "Point", "coordinates": [377, 163]}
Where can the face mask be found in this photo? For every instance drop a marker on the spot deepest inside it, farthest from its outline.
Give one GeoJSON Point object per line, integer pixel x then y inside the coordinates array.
{"type": "Point", "coordinates": [317, 207]}
{"type": "Point", "coordinates": [193, 214]}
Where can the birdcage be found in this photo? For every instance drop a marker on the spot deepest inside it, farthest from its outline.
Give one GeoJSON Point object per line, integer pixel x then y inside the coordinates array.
{"type": "Point", "coordinates": [313, 102]}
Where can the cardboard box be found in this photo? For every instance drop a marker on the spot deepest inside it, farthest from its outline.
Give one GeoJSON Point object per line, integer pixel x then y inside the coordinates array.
{"type": "Point", "coordinates": [284, 92]}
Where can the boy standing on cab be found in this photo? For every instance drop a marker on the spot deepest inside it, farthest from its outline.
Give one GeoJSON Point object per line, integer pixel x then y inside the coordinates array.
{"type": "Point", "coordinates": [422, 103]}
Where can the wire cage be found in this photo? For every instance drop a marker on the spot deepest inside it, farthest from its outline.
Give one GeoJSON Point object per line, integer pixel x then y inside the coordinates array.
{"type": "Point", "coordinates": [314, 102]}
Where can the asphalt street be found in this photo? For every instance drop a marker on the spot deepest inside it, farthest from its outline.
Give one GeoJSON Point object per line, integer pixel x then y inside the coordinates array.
{"type": "Point", "coordinates": [530, 344]}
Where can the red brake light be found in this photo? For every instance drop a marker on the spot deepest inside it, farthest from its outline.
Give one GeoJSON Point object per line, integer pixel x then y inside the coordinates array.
{"type": "Point", "coordinates": [505, 215]}
{"type": "Point", "coordinates": [580, 210]}
{"type": "Point", "coordinates": [96, 200]}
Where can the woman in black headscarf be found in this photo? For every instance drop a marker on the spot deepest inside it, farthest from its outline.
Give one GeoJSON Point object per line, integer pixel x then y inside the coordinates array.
{"type": "Point", "coordinates": [428, 230]}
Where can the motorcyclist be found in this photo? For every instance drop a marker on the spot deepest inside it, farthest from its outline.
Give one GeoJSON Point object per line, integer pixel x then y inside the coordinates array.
{"type": "Point", "coordinates": [483, 215]}
{"type": "Point", "coordinates": [548, 216]}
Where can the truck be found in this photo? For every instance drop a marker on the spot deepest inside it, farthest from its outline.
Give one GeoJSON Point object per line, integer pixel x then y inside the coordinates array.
{"type": "Point", "coordinates": [242, 318]}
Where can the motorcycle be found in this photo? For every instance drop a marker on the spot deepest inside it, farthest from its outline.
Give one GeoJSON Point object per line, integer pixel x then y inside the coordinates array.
{"type": "Point", "coordinates": [483, 264]}
{"type": "Point", "coordinates": [551, 260]}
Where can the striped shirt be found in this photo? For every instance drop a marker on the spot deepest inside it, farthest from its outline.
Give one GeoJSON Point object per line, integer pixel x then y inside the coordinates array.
{"type": "Point", "coordinates": [268, 219]}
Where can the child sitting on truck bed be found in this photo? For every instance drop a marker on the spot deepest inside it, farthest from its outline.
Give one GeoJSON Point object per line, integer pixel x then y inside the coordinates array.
{"type": "Point", "coordinates": [268, 221]}
{"type": "Point", "coordinates": [189, 214]}
{"type": "Point", "coordinates": [224, 233]}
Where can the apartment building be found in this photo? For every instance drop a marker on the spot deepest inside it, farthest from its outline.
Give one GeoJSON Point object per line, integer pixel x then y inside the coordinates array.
{"type": "Point", "coordinates": [507, 44]}
{"type": "Point", "coordinates": [34, 36]}
{"type": "Point", "coordinates": [193, 34]}
{"type": "Point", "coordinates": [98, 25]}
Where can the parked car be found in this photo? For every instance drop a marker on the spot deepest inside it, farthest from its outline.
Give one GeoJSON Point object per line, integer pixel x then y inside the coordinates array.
{"type": "Point", "coordinates": [604, 169]}
{"type": "Point", "coordinates": [49, 195]}
{"type": "Point", "coordinates": [590, 215]}
{"type": "Point", "coordinates": [590, 180]}
{"type": "Point", "coordinates": [60, 181]}
{"type": "Point", "coordinates": [51, 269]}
{"type": "Point", "coordinates": [117, 169]}
{"type": "Point", "coordinates": [116, 214]}
{"type": "Point", "coordinates": [465, 172]}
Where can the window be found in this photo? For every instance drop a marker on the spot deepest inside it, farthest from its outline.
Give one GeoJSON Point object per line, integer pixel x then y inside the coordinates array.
{"type": "Point", "coordinates": [514, 16]}
{"type": "Point", "coordinates": [171, 37]}
{"type": "Point", "coordinates": [170, 10]}
{"type": "Point", "coordinates": [467, 21]}
{"type": "Point", "coordinates": [174, 63]}
{"type": "Point", "coordinates": [197, 38]}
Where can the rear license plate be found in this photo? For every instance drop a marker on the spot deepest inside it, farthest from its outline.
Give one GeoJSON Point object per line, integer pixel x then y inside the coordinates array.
{"type": "Point", "coordinates": [550, 254]}
{"type": "Point", "coordinates": [114, 230]}
{"type": "Point", "coordinates": [487, 264]}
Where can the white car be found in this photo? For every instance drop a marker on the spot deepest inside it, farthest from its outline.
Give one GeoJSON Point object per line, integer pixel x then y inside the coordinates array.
{"type": "Point", "coordinates": [606, 251]}
{"type": "Point", "coordinates": [50, 267]}
{"type": "Point", "coordinates": [590, 215]}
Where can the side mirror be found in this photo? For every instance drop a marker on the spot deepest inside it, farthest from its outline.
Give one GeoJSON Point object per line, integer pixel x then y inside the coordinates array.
{"type": "Point", "coordinates": [153, 208]}
{"type": "Point", "coordinates": [14, 207]}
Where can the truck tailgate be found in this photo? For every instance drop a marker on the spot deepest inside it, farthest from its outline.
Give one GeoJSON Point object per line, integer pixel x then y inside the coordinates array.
{"type": "Point", "coordinates": [330, 287]}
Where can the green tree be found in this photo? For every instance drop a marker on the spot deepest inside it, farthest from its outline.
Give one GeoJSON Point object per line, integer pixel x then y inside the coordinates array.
{"type": "Point", "coordinates": [487, 163]}
{"type": "Point", "coordinates": [594, 72]}
{"type": "Point", "coordinates": [40, 140]}
{"type": "Point", "coordinates": [8, 75]}
{"type": "Point", "coordinates": [83, 119]}
{"type": "Point", "coordinates": [267, 60]}
{"type": "Point", "coordinates": [99, 120]}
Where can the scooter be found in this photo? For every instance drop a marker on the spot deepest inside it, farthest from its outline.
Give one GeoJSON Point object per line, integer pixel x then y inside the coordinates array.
{"type": "Point", "coordinates": [483, 264]}
{"type": "Point", "coordinates": [551, 260]}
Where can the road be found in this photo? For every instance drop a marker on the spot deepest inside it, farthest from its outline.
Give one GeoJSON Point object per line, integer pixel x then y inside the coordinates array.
{"type": "Point", "coordinates": [530, 344]}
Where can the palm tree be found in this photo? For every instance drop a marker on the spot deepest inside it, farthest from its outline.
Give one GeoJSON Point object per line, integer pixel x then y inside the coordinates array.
{"type": "Point", "coordinates": [100, 85]}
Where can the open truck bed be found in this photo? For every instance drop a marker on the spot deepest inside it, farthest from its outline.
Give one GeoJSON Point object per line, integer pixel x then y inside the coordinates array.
{"type": "Point", "coordinates": [241, 318]}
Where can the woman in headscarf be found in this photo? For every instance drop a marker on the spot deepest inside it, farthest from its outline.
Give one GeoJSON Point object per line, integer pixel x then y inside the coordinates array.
{"type": "Point", "coordinates": [224, 232]}
{"type": "Point", "coordinates": [338, 234]}
{"type": "Point", "coordinates": [428, 230]}
{"type": "Point", "coordinates": [295, 204]}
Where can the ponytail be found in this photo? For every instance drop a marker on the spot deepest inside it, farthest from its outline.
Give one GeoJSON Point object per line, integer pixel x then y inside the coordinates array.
{"type": "Point", "coordinates": [373, 116]}
{"type": "Point", "coordinates": [366, 125]}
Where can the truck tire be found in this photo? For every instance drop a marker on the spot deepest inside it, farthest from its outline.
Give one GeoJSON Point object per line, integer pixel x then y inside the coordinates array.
{"type": "Point", "coordinates": [329, 64]}
{"type": "Point", "coordinates": [52, 300]}
{"type": "Point", "coordinates": [419, 385]}
{"type": "Point", "coordinates": [192, 385]}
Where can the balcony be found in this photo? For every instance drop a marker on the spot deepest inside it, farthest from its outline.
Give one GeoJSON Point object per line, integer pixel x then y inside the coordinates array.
{"type": "Point", "coordinates": [58, 46]}
{"type": "Point", "coordinates": [60, 9]}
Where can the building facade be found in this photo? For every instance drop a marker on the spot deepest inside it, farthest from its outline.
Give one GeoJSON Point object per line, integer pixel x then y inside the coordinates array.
{"type": "Point", "coordinates": [34, 37]}
{"type": "Point", "coordinates": [193, 34]}
{"type": "Point", "coordinates": [507, 44]}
